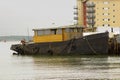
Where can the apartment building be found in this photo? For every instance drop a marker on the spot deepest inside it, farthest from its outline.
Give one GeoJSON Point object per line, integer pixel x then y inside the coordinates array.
{"type": "Point", "coordinates": [98, 13]}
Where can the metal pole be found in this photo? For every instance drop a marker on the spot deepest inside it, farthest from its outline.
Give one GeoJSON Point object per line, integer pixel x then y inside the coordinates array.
{"type": "Point", "coordinates": [28, 34]}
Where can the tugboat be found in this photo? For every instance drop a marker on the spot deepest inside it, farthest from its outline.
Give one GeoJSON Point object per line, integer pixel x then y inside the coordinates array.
{"type": "Point", "coordinates": [68, 40]}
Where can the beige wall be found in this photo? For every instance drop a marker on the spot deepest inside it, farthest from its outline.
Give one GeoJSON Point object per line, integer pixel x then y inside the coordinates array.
{"type": "Point", "coordinates": [80, 13]}
{"type": "Point", "coordinates": [107, 12]}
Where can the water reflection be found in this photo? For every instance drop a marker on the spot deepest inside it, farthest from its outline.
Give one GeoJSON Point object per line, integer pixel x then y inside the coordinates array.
{"type": "Point", "coordinates": [80, 67]}
{"type": "Point", "coordinates": [73, 67]}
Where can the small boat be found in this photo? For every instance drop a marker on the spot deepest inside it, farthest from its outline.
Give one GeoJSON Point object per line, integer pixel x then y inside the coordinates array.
{"type": "Point", "coordinates": [63, 41]}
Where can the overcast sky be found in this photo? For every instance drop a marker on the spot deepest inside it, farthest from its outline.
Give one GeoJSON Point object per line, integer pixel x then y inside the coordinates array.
{"type": "Point", "coordinates": [19, 16]}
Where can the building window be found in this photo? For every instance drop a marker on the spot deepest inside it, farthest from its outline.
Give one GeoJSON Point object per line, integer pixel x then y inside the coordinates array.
{"type": "Point", "coordinates": [105, 2]}
{"type": "Point", "coordinates": [106, 19]}
{"type": "Point", "coordinates": [113, 21]}
{"type": "Point", "coordinates": [106, 14]}
{"type": "Point", "coordinates": [113, 4]}
{"type": "Point", "coordinates": [113, 10]}
{"type": "Point", "coordinates": [105, 8]}
{"type": "Point", "coordinates": [106, 25]}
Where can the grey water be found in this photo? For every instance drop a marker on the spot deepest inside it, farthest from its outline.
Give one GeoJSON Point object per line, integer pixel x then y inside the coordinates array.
{"type": "Point", "coordinates": [84, 67]}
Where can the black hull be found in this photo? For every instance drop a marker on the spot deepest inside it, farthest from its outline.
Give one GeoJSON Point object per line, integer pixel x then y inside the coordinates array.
{"type": "Point", "coordinates": [91, 44]}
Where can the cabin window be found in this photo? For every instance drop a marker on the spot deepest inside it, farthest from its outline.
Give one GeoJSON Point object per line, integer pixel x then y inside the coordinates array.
{"type": "Point", "coordinates": [71, 29]}
{"type": "Point", "coordinates": [56, 31]}
{"type": "Point", "coordinates": [67, 30]}
{"type": "Point", "coordinates": [43, 32]}
{"type": "Point", "coordinates": [78, 30]}
{"type": "Point", "coordinates": [46, 32]}
{"type": "Point", "coordinates": [74, 29]}
{"type": "Point", "coordinates": [39, 33]}
{"type": "Point", "coordinates": [53, 31]}
{"type": "Point", "coordinates": [59, 31]}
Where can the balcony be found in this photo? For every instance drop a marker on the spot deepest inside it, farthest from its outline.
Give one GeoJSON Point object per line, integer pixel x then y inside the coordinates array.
{"type": "Point", "coordinates": [75, 7]}
{"type": "Point", "coordinates": [75, 18]}
{"type": "Point", "coordinates": [90, 4]}
{"type": "Point", "coordinates": [90, 10]}
{"type": "Point", "coordinates": [90, 16]}
{"type": "Point", "coordinates": [90, 22]}
{"type": "Point", "coordinates": [75, 13]}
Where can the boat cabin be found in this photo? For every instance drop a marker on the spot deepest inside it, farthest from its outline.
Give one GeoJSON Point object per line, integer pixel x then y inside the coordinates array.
{"type": "Point", "coordinates": [57, 34]}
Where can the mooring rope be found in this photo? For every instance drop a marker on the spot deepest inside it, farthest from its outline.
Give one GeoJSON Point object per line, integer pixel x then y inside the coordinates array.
{"type": "Point", "coordinates": [90, 45]}
{"type": "Point", "coordinates": [68, 46]}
